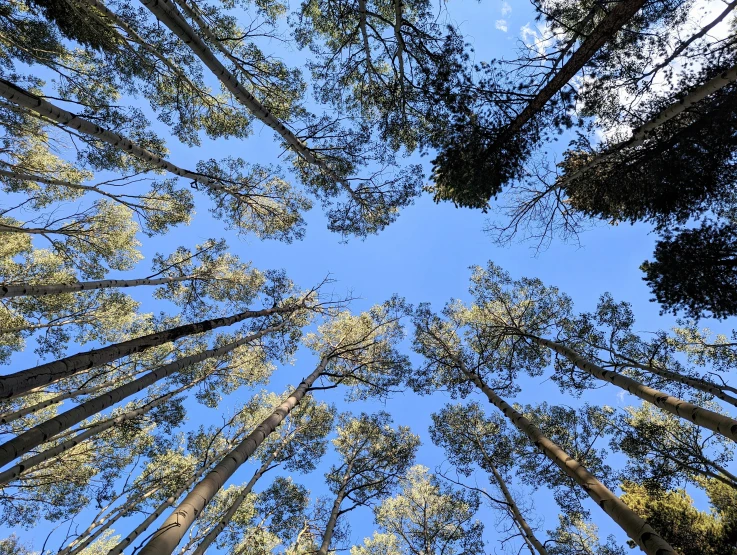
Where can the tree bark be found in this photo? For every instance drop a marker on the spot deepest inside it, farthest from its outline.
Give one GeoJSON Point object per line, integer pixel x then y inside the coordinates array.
{"type": "Point", "coordinates": [525, 528]}
{"type": "Point", "coordinates": [47, 430]}
{"type": "Point", "coordinates": [213, 534]}
{"type": "Point", "coordinates": [125, 542]}
{"type": "Point", "coordinates": [327, 537]}
{"type": "Point", "coordinates": [701, 385]}
{"type": "Point", "coordinates": [27, 464]}
{"type": "Point", "coordinates": [635, 527]}
{"type": "Point", "coordinates": [166, 12]}
{"type": "Point", "coordinates": [711, 420]}
{"type": "Point", "coordinates": [10, 291]}
{"type": "Point", "coordinates": [18, 383]}
{"type": "Point", "coordinates": [603, 32]}
{"type": "Point", "coordinates": [11, 416]}
{"type": "Point", "coordinates": [21, 97]}
{"type": "Point", "coordinates": [173, 529]}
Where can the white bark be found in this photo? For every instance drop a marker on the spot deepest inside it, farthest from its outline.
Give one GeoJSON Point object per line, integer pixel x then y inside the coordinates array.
{"type": "Point", "coordinates": [41, 290]}
{"type": "Point", "coordinates": [166, 12]}
{"type": "Point", "coordinates": [27, 100]}
{"type": "Point", "coordinates": [634, 526]}
{"type": "Point", "coordinates": [711, 420]}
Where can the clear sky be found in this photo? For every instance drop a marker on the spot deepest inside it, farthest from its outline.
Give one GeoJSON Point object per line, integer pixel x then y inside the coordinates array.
{"type": "Point", "coordinates": [425, 257]}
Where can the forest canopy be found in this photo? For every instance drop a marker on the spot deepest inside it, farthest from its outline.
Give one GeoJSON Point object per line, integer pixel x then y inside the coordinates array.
{"type": "Point", "coordinates": [176, 173]}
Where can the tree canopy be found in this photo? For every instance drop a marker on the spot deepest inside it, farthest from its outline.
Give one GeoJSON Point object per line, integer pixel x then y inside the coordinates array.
{"type": "Point", "coordinates": [182, 370]}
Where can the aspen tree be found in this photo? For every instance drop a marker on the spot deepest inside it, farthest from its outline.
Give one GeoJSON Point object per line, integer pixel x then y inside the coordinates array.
{"type": "Point", "coordinates": [465, 433]}
{"type": "Point", "coordinates": [356, 351]}
{"type": "Point", "coordinates": [509, 311]}
{"type": "Point", "coordinates": [373, 456]}
{"type": "Point", "coordinates": [425, 518]}
{"type": "Point", "coordinates": [451, 363]}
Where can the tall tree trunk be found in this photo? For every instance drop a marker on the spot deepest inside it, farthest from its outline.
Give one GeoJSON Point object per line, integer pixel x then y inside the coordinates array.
{"type": "Point", "coordinates": [711, 420]}
{"type": "Point", "coordinates": [21, 97]}
{"type": "Point", "coordinates": [517, 516]}
{"type": "Point", "coordinates": [603, 32]}
{"type": "Point", "coordinates": [327, 537]}
{"type": "Point", "coordinates": [141, 528]}
{"type": "Point", "coordinates": [696, 383]}
{"type": "Point", "coordinates": [92, 533]}
{"type": "Point", "coordinates": [28, 290]}
{"type": "Point", "coordinates": [11, 416]}
{"type": "Point", "coordinates": [635, 527]}
{"type": "Point", "coordinates": [332, 522]}
{"type": "Point", "coordinates": [166, 12]}
{"type": "Point", "coordinates": [173, 529]}
{"type": "Point", "coordinates": [47, 430]}
{"type": "Point", "coordinates": [524, 527]}
{"type": "Point", "coordinates": [29, 463]}
{"type": "Point", "coordinates": [13, 385]}
{"type": "Point", "coordinates": [213, 534]}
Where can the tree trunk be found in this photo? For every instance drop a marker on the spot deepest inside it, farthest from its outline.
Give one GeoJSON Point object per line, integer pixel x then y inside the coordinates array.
{"type": "Point", "coordinates": [27, 464]}
{"type": "Point", "coordinates": [21, 97]}
{"type": "Point", "coordinates": [711, 420]}
{"type": "Point", "coordinates": [516, 514]}
{"type": "Point", "coordinates": [90, 536]}
{"type": "Point", "coordinates": [213, 534]}
{"type": "Point", "coordinates": [18, 383]}
{"type": "Point", "coordinates": [635, 527]}
{"type": "Point", "coordinates": [47, 430]}
{"type": "Point", "coordinates": [642, 133]}
{"type": "Point", "coordinates": [11, 416]}
{"type": "Point", "coordinates": [701, 385]}
{"type": "Point", "coordinates": [173, 529]}
{"type": "Point", "coordinates": [27, 290]}
{"type": "Point", "coordinates": [125, 542]}
{"type": "Point", "coordinates": [166, 12]}
{"type": "Point", "coordinates": [327, 537]}
{"type": "Point", "coordinates": [603, 32]}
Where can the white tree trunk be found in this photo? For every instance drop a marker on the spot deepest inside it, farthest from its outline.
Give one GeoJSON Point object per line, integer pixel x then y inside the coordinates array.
{"type": "Point", "coordinates": [168, 536]}
{"type": "Point", "coordinates": [14, 385]}
{"type": "Point", "coordinates": [47, 430]}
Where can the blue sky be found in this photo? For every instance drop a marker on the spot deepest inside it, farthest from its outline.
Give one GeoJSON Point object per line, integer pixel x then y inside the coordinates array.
{"type": "Point", "coordinates": [425, 257]}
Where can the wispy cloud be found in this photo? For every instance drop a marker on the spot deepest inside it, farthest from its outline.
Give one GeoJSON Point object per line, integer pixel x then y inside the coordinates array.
{"type": "Point", "coordinates": [501, 24]}
{"type": "Point", "coordinates": [506, 8]}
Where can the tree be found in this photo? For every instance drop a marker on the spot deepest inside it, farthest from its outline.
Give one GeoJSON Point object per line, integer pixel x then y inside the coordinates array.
{"type": "Point", "coordinates": [453, 364]}
{"type": "Point", "coordinates": [25, 380]}
{"type": "Point", "coordinates": [664, 451]}
{"type": "Point", "coordinates": [464, 432]}
{"type": "Point", "coordinates": [372, 457]}
{"type": "Point", "coordinates": [500, 145]}
{"type": "Point", "coordinates": [691, 531]}
{"type": "Point", "coordinates": [298, 447]}
{"type": "Point", "coordinates": [694, 271]}
{"type": "Point", "coordinates": [517, 312]}
{"type": "Point", "coordinates": [425, 518]}
{"type": "Point", "coordinates": [356, 351]}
